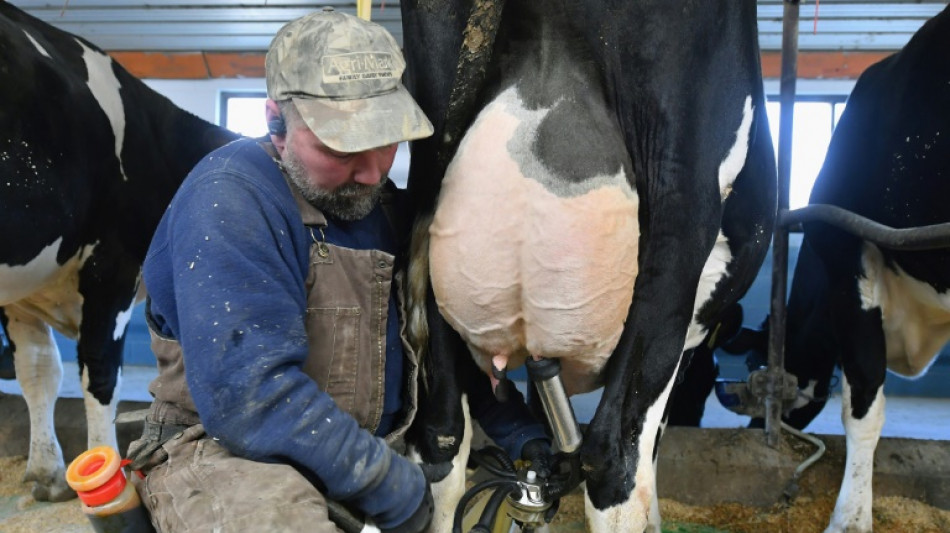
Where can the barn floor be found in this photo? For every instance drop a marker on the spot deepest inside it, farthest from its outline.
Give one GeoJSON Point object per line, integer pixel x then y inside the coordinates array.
{"type": "Point", "coordinates": [716, 479]}
{"type": "Point", "coordinates": [807, 514]}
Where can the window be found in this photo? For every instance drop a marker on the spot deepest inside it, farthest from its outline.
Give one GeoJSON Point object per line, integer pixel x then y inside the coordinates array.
{"type": "Point", "coordinates": [243, 112]}
{"type": "Point", "coordinates": [813, 122]}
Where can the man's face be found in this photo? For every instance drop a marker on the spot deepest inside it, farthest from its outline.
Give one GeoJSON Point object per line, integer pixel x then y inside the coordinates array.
{"type": "Point", "coordinates": [343, 185]}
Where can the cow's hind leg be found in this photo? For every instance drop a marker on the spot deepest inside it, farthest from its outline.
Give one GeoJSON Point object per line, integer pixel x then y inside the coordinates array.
{"type": "Point", "coordinates": [441, 435]}
{"type": "Point", "coordinates": [852, 512]}
{"type": "Point", "coordinates": [106, 312]}
{"type": "Point", "coordinates": [40, 372]}
{"type": "Point", "coordinates": [614, 451]}
{"type": "Point", "coordinates": [448, 490]}
{"type": "Point", "coordinates": [100, 428]}
{"type": "Point", "coordinates": [863, 361]}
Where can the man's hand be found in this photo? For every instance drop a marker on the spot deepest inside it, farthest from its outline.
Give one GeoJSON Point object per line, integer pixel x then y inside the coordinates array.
{"type": "Point", "coordinates": [419, 521]}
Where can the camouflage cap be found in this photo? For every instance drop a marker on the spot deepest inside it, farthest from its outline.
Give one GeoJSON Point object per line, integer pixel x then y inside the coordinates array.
{"type": "Point", "coordinates": [343, 73]}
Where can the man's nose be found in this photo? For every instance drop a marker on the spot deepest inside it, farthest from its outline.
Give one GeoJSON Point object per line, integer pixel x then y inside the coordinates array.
{"type": "Point", "coordinates": [371, 166]}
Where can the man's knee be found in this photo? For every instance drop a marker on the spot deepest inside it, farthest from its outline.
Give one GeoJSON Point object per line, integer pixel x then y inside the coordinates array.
{"type": "Point", "coordinates": [203, 487]}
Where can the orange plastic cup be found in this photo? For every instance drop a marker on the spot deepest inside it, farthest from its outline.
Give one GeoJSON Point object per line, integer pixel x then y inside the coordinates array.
{"type": "Point", "coordinates": [96, 476]}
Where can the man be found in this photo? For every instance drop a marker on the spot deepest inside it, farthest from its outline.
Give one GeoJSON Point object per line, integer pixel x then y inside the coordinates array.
{"type": "Point", "coordinates": [274, 308]}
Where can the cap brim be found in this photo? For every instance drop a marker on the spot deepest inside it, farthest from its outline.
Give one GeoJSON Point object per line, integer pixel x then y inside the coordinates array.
{"type": "Point", "coordinates": [366, 123]}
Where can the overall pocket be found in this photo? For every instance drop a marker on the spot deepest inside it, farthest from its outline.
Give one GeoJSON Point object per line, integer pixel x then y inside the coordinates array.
{"type": "Point", "coordinates": [334, 333]}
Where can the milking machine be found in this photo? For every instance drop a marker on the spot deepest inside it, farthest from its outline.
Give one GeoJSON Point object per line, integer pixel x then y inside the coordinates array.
{"type": "Point", "coordinates": [524, 496]}
{"type": "Point", "coordinates": [519, 495]}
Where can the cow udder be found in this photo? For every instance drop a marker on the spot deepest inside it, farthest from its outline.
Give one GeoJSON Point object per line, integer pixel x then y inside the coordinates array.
{"type": "Point", "coordinates": [518, 269]}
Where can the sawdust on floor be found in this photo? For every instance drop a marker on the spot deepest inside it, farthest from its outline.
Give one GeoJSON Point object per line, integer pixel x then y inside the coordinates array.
{"type": "Point", "coordinates": [19, 513]}
{"type": "Point", "coordinates": [805, 515]}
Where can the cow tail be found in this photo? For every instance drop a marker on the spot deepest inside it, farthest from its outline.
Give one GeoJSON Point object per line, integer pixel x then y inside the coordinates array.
{"type": "Point", "coordinates": [418, 286]}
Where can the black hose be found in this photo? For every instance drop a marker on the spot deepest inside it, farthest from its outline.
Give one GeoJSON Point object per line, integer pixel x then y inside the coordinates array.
{"type": "Point", "coordinates": [505, 467]}
{"type": "Point", "coordinates": [490, 512]}
{"type": "Point", "coordinates": [501, 456]}
{"type": "Point", "coordinates": [919, 238]}
{"type": "Point", "coordinates": [472, 492]}
{"type": "Point", "coordinates": [558, 485]}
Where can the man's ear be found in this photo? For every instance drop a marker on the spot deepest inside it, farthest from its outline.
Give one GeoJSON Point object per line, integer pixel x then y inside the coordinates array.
{"type": "Point", "coordinates": [276, 126]}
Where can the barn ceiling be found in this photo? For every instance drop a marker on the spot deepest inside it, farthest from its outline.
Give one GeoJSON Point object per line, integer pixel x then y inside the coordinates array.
{"type": "Point", "coordinates": [248, 25]}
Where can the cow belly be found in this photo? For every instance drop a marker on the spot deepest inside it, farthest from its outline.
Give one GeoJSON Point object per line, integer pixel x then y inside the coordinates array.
{"type": "Point", "coordinates": [47, 290]}
{"type": "Point", "coordinates": [519, 269]}
{"type": "Point", "coordinates": [916, 318]}
{"type": "Point", "coordinates": [19, 281]}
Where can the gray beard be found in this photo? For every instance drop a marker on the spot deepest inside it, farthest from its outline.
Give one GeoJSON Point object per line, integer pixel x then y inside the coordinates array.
{"type": "Point", "coordinates": [351, 201]}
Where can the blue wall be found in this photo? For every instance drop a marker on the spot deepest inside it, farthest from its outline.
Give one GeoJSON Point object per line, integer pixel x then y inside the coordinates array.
{"type": "Point", "coordinates": [137, 351]}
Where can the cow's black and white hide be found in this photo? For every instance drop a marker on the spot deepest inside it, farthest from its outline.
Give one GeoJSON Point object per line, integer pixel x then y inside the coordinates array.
{"type": "Point", "coordinates": [699, 371]}
{"type": "Point", "coordinates": [613, 191]}
{"type": "Point", "coordinates": [857, 305]}
{"type": "Point", "coordinates": [89, 159]}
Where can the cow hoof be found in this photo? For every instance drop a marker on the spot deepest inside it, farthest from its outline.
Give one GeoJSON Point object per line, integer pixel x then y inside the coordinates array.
{"type": "Point", "coordinates": [54, 489]}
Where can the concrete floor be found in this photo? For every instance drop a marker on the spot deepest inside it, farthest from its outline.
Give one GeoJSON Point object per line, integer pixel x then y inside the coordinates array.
{"type": "Point", "coordinates": [907, 417]}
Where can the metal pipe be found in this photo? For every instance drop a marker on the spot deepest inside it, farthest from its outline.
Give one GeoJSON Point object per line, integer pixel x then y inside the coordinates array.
{"type": "Point", "coordinates": [773, 399]}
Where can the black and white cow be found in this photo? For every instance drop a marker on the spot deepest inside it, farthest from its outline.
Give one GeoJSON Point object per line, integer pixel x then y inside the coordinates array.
{"type": "Point", "coordinates": [89, 159]}
{"type": "Point", "coordinates": [854, 304]}
{"type": "Point", "coordinates": [613, 191]}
